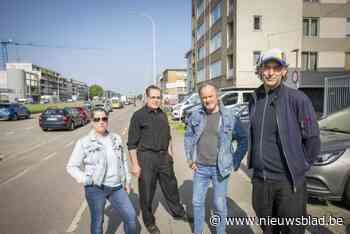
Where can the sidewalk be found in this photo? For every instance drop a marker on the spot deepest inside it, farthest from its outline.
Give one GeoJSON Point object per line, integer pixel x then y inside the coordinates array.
{"type": "Point", "coordinates": [238, 200]}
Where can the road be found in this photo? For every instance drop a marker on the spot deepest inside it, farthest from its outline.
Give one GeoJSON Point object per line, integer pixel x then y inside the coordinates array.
{"type": "Point", "coordinates": [39, 197]}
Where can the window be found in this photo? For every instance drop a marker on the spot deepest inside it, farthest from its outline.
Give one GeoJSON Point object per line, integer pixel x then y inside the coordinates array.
{"type": "Point", "coordinates": [200, 31]}
{"type": "Point", "coordinates": [311, 26]}
{"type": "Point", "coordinates": [215, 42]}
{"type": "Point", "coordinates": [215, 69]}
{"type": "Point", "coordinates": [200, 74]}
{"type": "Point", "coordinates": [230, 99]}
{"type": "Point", "coordinates": [256, 56]}
{"type": "Point", "coordinates": [215, 14]}
{"type": "Point", "coordinates": [247, 97]}
{"type": "Point", "coordinates": [200, 54]}
{"type": "Point", "coordinates": [257, 22]}
{"type": "Point", "coordinates": [309, 61]}
{"type": "Point", "coordinates": [200, 7]}
{"type": "Point", "coordinates": [348, 26]}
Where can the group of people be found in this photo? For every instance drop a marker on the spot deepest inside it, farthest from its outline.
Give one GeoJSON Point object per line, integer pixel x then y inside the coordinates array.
{"type": "Point", "coordinates": [284, 142]}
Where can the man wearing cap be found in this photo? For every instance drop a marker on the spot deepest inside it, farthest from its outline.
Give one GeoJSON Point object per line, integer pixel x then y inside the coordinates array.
{"type": "Point", "coordinates": [285, 141]}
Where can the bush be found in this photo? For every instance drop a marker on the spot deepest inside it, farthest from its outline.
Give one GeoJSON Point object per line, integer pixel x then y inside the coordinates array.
{"type": "Point", "coordinates": [38, 108]}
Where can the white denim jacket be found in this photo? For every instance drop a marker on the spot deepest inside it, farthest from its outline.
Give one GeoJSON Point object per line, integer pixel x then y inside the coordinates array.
{"type": "Point", "coordinates": [88, 161]}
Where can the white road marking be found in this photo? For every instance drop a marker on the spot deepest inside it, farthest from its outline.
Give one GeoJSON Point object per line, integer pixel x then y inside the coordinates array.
{"type": "Point", "coordinates": [68, 145]}
{"type": "Point", "coordinates": [8, 156]}
{"type": "Point", "coordinates": [73, 226]}
{"type": "Point", "coordinates": [28, 169]}
{"type": "Point", "coordinates": [9, 133]}
{"type": "Point", "coordinates": [30, 128]}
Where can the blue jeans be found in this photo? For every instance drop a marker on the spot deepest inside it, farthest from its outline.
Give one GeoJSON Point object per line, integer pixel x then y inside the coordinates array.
{"type": "Point", "coordinates": [201, 180]}
{"type": "Point", "coordinates": [96, 197]}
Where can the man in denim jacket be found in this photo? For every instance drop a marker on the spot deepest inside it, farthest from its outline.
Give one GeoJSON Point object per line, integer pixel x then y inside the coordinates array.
{"type": "Point", "coordinates": [209, 135]}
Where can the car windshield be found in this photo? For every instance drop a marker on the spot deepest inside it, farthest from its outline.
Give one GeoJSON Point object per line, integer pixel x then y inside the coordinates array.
{"type": "Point", "coordinates": [337, 122]}
{"type": "Point", "coordinates": [54, 112]}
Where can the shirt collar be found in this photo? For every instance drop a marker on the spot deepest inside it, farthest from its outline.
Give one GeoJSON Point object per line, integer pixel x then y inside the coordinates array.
{"type": "Point", "coordinates": [149, 110]}
{"type": "Point", "coordinates": [275, 92]}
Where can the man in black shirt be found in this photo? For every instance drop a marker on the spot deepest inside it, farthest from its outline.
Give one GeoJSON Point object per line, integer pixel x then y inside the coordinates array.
{"type": "Point", "coordinates": [150, 151]}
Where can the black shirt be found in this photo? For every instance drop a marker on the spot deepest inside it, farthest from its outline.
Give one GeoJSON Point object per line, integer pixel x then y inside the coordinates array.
{"type": "Point", "coordinates": [271, 154]}
{"type": "Point", "coordinates": [149, 130]}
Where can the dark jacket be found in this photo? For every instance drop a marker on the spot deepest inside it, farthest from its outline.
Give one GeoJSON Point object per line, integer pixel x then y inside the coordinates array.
{"type": "Point", "coordinates": [298, 131]}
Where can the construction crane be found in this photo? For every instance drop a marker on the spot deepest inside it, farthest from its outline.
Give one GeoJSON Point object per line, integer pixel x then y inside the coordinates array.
{"type": "Point", "coordinates": [10, 42]}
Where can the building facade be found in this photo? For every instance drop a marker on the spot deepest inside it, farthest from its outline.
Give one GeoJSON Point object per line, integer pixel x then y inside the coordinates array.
{"type": "Point", "coordinates": [228, 36]}
{"type": "Point", "coordinates": [39, 81]}
{"type": "Point", "coordinates": [190, 83]}
{"type": "Point", "coordinates": [173, 81]}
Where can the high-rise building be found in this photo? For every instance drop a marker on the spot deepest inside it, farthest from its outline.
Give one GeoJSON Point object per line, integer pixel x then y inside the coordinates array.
{"type": "Point", "coordinates": [228, 36]}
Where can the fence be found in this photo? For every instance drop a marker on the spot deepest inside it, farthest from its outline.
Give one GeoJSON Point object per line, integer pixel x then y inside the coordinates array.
{"type": "Point", "coordinates": [336, 93]}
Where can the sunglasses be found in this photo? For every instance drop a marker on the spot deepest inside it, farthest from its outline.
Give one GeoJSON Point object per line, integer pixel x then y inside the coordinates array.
{"type": "Point", "coordinates": [104, 119]}
{"type": "Point", "coordinates": [155, 97]}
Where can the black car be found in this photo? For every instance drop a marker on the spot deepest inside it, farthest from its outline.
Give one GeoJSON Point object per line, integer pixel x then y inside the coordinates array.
{"type": "Point", "coordinates": [13, 111]}
{"type": "Point", "coordinates": [60, 118]}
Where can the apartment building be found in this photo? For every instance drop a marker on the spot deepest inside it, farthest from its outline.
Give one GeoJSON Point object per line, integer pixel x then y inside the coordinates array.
{"type": "Point", "coordinates": [228, 36]}
{"type": "Point", "coordinates": [173, 81]}
{"type": "Point", "coordinates": [43, 81]}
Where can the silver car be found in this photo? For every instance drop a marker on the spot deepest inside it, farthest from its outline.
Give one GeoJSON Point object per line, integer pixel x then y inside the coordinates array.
{"type": "Point", "coordinates": [329, 177]}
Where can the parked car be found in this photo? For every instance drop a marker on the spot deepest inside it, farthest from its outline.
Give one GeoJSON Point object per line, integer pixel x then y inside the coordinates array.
{"type": "Point", "coordinates": [84, 115]}
{"type": "Point", "coordinates": [329, 177]}
{"type": "Point", "coordinates": [236, 99]}
{"type": "Point", "coordinates": [60, 118]}
{"type": "Point", "coordinates": [13, 111]}
{"type": "Point", "coordinates": [190, 101]}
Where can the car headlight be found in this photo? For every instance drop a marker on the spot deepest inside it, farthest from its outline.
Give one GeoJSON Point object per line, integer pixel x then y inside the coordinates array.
{"type": "Point", "coordinates": [327, 158]}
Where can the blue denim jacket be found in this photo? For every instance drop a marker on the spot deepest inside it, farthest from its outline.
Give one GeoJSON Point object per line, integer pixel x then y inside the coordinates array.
{"type": "Point", "coordinates": [90, 153]}
{"type": "Point", "coordinates": [230, 129]}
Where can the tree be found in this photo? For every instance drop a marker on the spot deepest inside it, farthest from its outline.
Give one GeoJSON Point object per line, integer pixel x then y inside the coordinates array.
{"type": "Point", "coordinates": [96, 90]}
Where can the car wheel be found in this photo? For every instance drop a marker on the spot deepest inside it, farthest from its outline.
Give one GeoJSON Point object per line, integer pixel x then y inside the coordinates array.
{"type": "Point", "coordinates": [15, 117]}
{"type": "Point", "coordinates": [72, 126]}
{"type": "Point", "coordinates": [44, 129]}
{"type": "Point", "coordinates": [347, 194]}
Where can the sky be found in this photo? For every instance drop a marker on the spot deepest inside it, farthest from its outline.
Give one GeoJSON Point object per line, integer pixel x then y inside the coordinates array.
{"type": "Point", "coordinates": [105, 42]}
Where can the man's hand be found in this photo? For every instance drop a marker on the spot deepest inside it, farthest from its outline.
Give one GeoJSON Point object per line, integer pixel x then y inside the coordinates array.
{"type": "Point", "coordinates": [127, 188]}
{"type": "Point", "coordinates": [135, 167]}
{"type": "Point", "coordinates": [135, 170]}
{"type": "Point", "coordinates": [192, 165]}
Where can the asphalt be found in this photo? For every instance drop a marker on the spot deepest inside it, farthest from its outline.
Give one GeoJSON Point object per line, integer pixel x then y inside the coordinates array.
{"type": "Point", "coordinates": [39, 197]}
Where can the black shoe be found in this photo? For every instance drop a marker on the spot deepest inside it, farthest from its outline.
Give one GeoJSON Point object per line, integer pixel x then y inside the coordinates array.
{"type": "Point", "coordinates": [153, 229]}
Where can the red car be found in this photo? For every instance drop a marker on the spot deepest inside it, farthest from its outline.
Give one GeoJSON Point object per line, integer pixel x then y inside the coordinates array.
{"type": "Point", "coordinates": [84, 114]}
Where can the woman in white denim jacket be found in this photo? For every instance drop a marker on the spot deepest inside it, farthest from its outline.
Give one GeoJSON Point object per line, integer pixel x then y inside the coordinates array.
{"type": "Point", "coordinates": [99, 162]}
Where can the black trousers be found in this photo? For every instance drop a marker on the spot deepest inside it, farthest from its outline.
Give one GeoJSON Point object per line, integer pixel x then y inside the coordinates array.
{"type": "Point", "coordinates": [277, 199]}
{"type": "Point", "coordinates": [157, 166]}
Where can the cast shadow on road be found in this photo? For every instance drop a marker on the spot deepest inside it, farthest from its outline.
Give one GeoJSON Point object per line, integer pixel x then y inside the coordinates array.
{"type": "Point", "coordinates": [313, 229]}
{"type": "Point", "coordinates": [114, 220]}
{"type": "Point", "coordinates": [233, 208]}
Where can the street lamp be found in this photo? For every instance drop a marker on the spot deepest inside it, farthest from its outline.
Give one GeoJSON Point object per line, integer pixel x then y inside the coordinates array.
{"type": "Point", "coordinates": [150, 18]}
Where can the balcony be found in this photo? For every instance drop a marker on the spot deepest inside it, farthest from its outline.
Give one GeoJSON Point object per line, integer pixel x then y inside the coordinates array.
{"type": "Point", "coordinates": [230, 73]}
